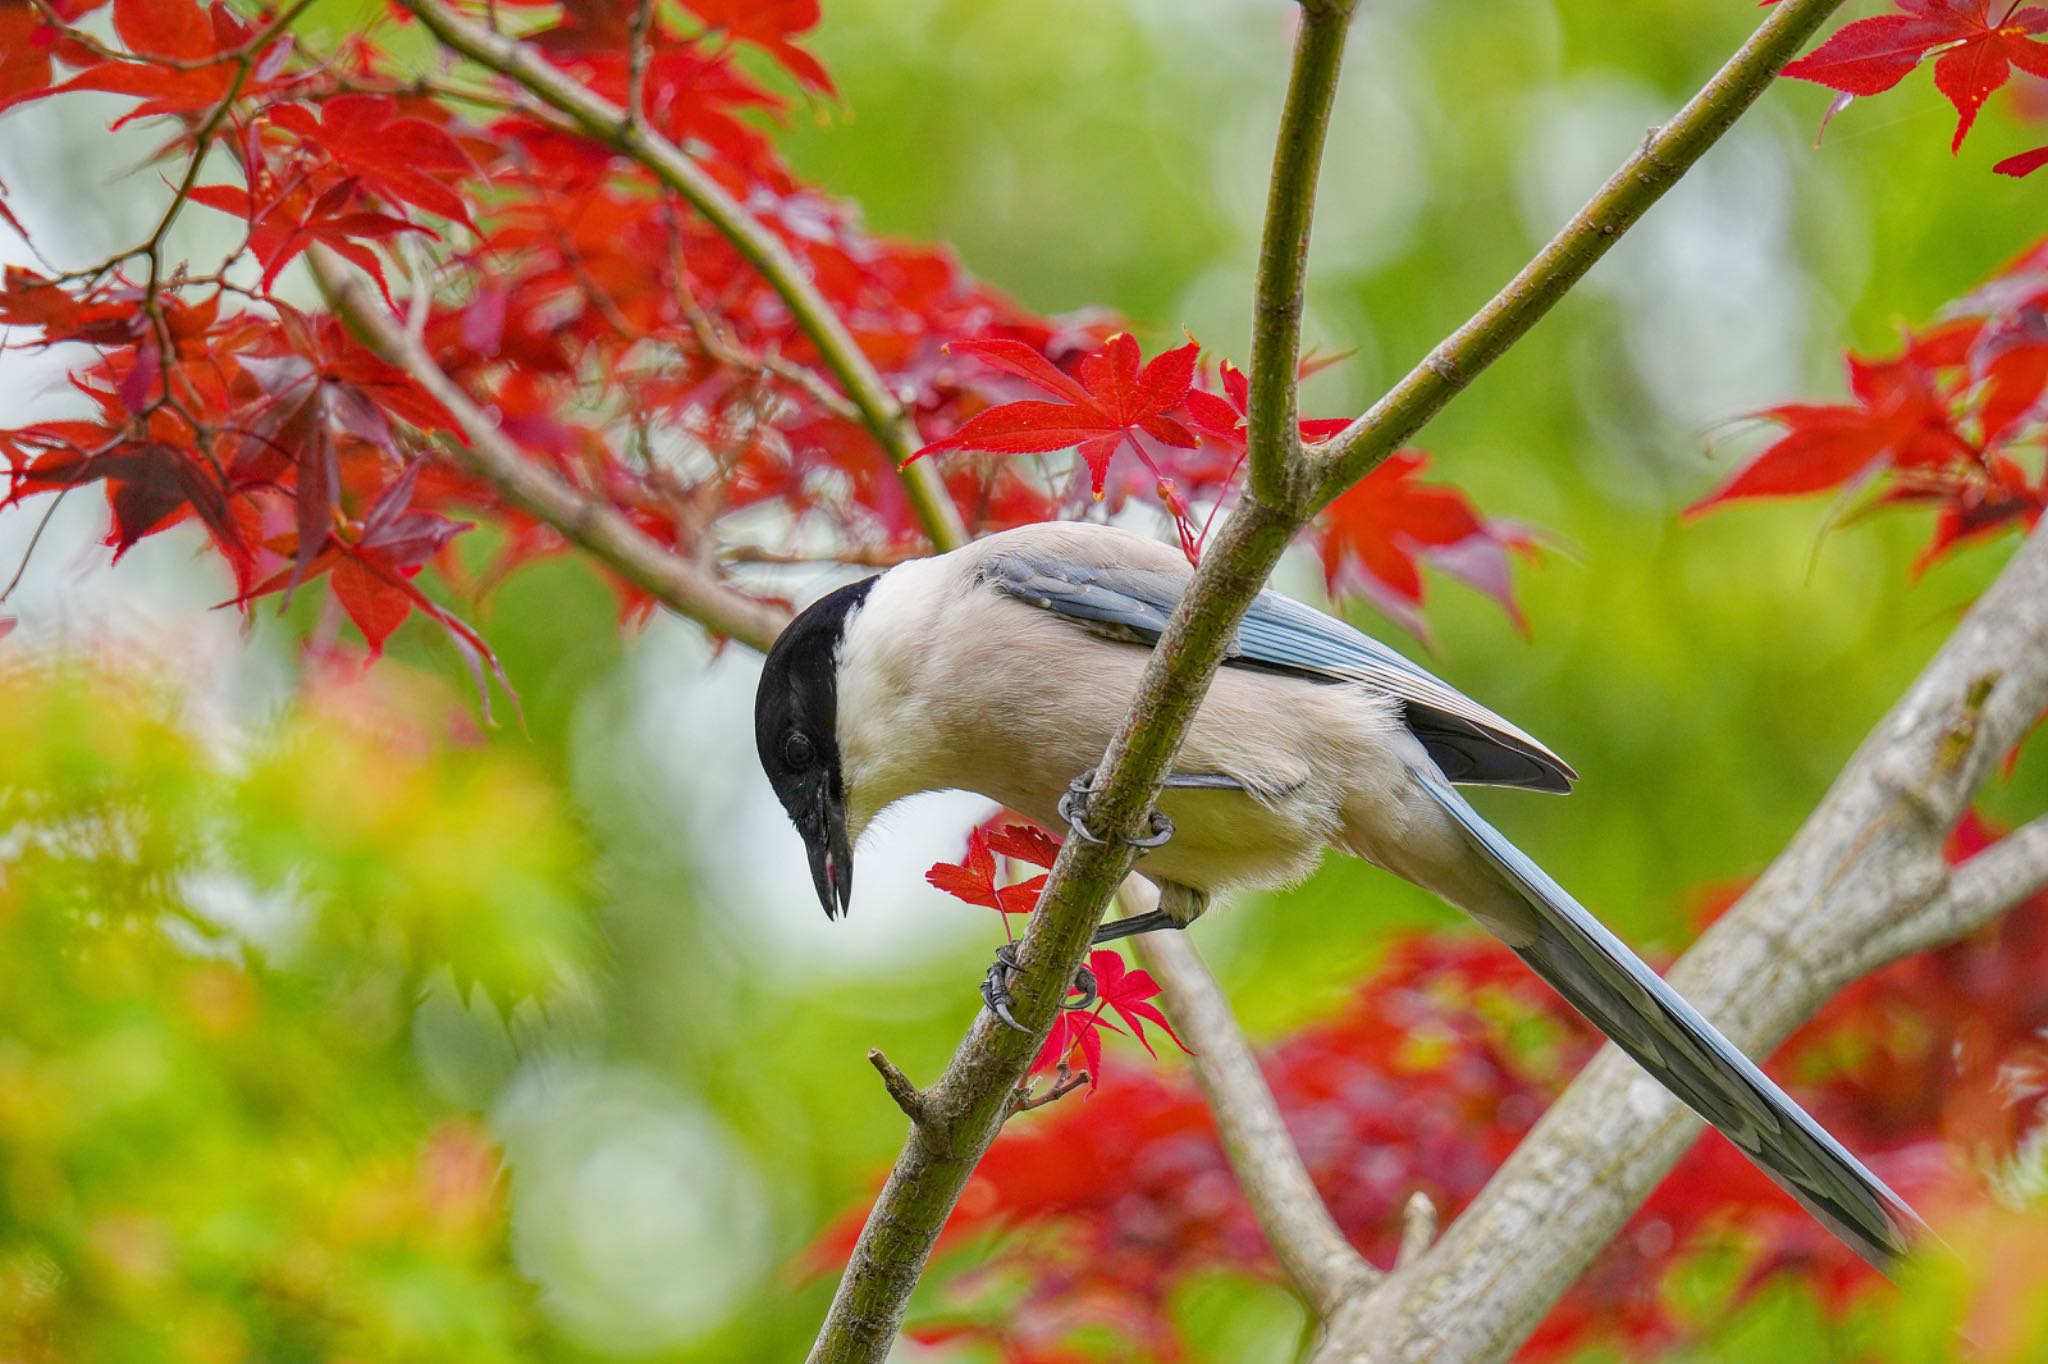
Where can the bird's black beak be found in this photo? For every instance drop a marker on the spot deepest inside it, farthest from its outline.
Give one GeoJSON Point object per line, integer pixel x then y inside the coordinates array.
{"type": "Point", "coordinates": [831, 857]}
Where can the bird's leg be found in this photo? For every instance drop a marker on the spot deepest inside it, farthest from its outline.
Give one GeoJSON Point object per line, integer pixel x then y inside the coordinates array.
{"type": "Point", "coordinates": [1161, 828]}
{"type": "Point", "coordinates": [1130, 928]}
{"type": "Point", "coordinates": [995, 987]}
{"type": "Point", "coordinates": [1179, 906]}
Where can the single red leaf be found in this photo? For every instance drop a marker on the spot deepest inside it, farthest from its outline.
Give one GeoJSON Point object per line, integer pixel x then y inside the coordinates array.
{"type": "Point", "coordinates": [1074, 1029]}
{"type": "Point", "coordinates": [165, 28]}
{"type": "Point", "coordinates": [1823, 451]}
{"type": "Point", "coordinates": [400, 158]}
{"type": "Point", "coordinates": [26, 43]}
{"type": "Point", "coordinates": [376, 607]}
{"type": "Point", "coordinates": [2015, 382]}
{"type": "Point", "coordinates": [1871, 56]}
{"type": "Point", "coordinates": [974, 880]}
{"type": "Point", "coordinates": [1128, 992]}
{"type": "Point", "coordinates": [2026, 163]}
{"type": "Point", "coordinates": [1109, 400]}
{"type": "Point", "coordinates": [1025, 843]}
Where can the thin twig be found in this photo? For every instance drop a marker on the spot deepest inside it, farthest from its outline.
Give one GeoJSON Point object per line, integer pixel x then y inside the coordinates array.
{"type": "Point", "coordinates": [713, 343]}
{"type": "Point", "coordinates": [1299, 1228]}
{"type": "Point", "coordinates": [1418, 1228]}
{"type": "Point", "coordinates": [898, 1084]}
{"type": "Point", "coordinates": [637, 38]}
{"type": "Point", "coordinates": [1064, 1082]}
{"type": "Point", "coordinates": [851, 558]}
{"type": "Point", "coordinates": [1974, 893]}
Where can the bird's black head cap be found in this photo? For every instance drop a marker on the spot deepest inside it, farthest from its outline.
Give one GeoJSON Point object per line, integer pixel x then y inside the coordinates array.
{"type": "Point", "coordinates": [796, 713]}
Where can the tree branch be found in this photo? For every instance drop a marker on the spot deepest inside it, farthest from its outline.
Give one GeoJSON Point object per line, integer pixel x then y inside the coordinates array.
{"type": "Point", "coordinates": [1666, 155]}
{"type": "Point", "coordinates": [631, 137]}
{"type": "Point", "coordinates": [1298, 1226]}
{"type": "Point", "coordinates": [1862, 882]}
{"type": "Point", "coordinates": [1272, 440]}
{"type": "Point", "coordinates": [966, 1106]}
{"type": "Point", "coordinates": [590, 522]}
{"type": "Point", "coordinates": [1976, 892]}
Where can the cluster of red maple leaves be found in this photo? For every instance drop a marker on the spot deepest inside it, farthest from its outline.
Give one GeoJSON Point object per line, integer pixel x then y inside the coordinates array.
{"type": "Point", "coordinates": [1953, 419]}
{"type": "Point", "coordinates": [618, 337]}
{"type": "Point", "coordinates": [1428, 1078]}
{"type": "Point", "coordinates": [1974, 44]}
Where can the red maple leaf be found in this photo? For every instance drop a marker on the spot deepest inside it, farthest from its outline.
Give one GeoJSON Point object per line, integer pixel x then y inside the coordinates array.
{"type": "Point", "coordinates": [280, 230]}
{"type": "Point", "coordinates": [769, 25]}
{"type": "Point", "coordinates": [151, 484]}
{"type": "Point", "coordinates": [1375, 536]}
{"type": "Point", "coordinates": [1105, 403]}
{"type": "Point", "coordinates": [1900, 416]}
{"type": "Point", "coordinates": [371, 571]}
{"type": "Point", "coordinates": [25, 49]}
{"type": "Point", "coordinates": [974, 880]}
{"type": "Point", "coordinates": [1129, 992]}
{"type": "Point", "coordinates": [400, 158]}
{"type": "Point", "coordinates": [178, 29]}
{"type": "Point", "coordinates": [184, 59]}
{"type": "Point", "coordinates": [1977, 52]}
{"type": "Point", "coordinates": [1023, 842]}
{"type": "Point", "coordinates": [1075, 1030]}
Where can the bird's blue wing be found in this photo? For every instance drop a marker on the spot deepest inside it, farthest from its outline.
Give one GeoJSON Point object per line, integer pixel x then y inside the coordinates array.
{"type": "Point", "coordinates": [1467, 741]}
{"type": "Point", "coordinates": [1601, 978]}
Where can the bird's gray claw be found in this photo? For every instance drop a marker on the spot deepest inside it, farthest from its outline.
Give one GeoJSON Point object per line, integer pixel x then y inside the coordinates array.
{"type": "Point", "coordinates": [1084, 981]}
{"type": "Point", "coordinates": [1070, 806]}
{"type": "Point", "coordinates": [995, 987]}
{"type": "Point", "coordinates": [1159, 832]}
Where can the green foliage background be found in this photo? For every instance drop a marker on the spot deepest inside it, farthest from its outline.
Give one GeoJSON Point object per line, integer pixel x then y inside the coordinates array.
{"type": "Point", "coordinates": [266, 1001]}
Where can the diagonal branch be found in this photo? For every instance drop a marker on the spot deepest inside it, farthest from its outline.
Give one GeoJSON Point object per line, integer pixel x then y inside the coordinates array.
{"type": "Point", "coordinates": [1298, 1226]}
{"type": "Point", "coordinates": [966, 1106]}
{"type": "Point", "coordinates": [630, 136]}
{"type": "Point", "coordinates": [1666, 155]}
{"type": "Point", "coordinates": [1862, 882]}
{"type": "Point", "coordinates": [590, 522]}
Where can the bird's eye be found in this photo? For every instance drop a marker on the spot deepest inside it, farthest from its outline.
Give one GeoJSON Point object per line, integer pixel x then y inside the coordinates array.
{"type": "Point", "coordinates": [797, 750]}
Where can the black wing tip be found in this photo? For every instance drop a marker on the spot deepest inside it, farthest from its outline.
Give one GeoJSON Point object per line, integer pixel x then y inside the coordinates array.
{"type": "Point", "coordinates": [1469, 756]}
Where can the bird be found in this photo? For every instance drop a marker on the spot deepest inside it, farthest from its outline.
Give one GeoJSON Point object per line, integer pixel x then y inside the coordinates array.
{"type": "Point", "coordinates": [1003, 667]}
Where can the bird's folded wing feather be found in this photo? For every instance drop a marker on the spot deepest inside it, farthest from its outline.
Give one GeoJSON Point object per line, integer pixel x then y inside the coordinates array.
{"type": "Point", "coordinates": [1467, 741]}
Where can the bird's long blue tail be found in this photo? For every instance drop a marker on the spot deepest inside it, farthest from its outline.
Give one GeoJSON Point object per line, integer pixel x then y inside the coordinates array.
{"type": "Point", "coordinates": [1601, 978]}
